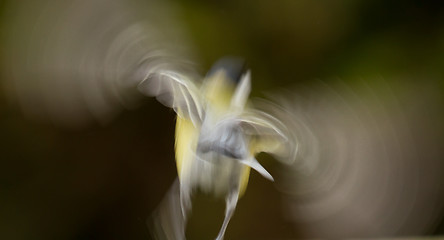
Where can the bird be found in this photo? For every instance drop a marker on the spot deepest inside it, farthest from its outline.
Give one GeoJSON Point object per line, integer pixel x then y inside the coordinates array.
{"type": "Point", "coordinates": [218, 133]}
{"type": "Point", "coordinates": [359, 159]}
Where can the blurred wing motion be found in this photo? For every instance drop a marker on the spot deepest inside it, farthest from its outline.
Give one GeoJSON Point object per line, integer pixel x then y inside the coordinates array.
{"type": "Point", "coordinates": [369, 158]}
{"type": "Point", "coordinates": [174, 91]}
{"type": "Point", "coordinates": [71, 62]}
{"type": "Point", "coordinates": [268, 134]}
{"type": "Point", "coordinates": [359, 160]}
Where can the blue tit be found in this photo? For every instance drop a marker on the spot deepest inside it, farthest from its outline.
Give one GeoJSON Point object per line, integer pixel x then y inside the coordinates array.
{"type": "Point", "coordinates": [218, 133]}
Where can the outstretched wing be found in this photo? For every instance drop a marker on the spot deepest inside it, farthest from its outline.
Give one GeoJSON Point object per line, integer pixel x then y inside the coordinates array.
{"type": "Point", "coordinates": [73, 61]}
{"type": "Point", "coordinates": [175, 91]}
{"type": "Point", "coordinates": [268, 134]}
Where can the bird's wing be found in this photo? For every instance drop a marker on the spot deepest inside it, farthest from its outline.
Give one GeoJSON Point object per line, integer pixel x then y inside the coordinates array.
{"type": "Point", "coordinates": [268, 134]}
{"type": "Point", "coordinates": [175, 91]}
{"type": "Point", "coordinates": [368, 157]}
{"type": "Point", "coordinates": [74, 61]}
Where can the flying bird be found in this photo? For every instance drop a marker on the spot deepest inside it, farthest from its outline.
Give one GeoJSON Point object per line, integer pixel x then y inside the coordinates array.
{"type": "Point", "coordinates": [355, 160]}
{"type": "Point", "coordinates": [217, 133]}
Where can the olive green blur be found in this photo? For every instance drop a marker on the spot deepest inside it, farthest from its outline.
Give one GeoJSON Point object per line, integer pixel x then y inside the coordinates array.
{"type": "Point", "coordinates": [102, 182]}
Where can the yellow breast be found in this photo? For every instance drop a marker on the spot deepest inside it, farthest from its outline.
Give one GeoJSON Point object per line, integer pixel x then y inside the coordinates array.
{"type": "Point", "coordinates": [218, 93]}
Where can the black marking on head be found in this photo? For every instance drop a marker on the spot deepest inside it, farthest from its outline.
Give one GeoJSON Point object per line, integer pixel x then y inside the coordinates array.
{"type": "Point", "coordinates": [234, 67]}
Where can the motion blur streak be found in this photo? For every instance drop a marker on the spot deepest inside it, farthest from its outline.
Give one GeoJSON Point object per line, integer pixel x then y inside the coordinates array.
{"type": "Point", "coordinates": [74, 61]}
{"type": "Point", "coordinates": [369, 161]}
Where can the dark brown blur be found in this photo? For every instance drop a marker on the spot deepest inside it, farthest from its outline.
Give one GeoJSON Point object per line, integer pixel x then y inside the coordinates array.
{"type": "Point", "coordinates": [103, 178]}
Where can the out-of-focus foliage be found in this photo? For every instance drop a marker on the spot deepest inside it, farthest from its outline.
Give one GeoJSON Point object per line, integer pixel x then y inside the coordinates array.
{"type": "Point", "coordinates": [101, 182]}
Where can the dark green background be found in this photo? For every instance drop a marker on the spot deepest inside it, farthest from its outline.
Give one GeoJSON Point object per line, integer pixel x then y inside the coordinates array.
{"type": "Point", "coordinates": [102, 182]}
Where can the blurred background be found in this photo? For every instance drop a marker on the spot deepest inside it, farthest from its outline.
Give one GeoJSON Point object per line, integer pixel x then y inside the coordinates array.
{"type": "Point", "coordinates": [102, 179]}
